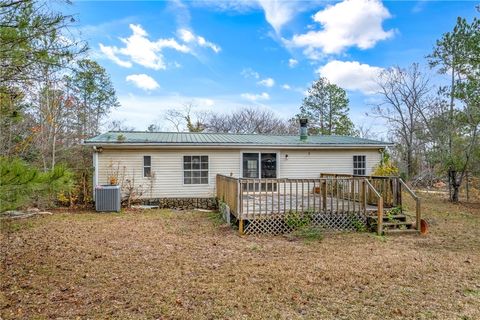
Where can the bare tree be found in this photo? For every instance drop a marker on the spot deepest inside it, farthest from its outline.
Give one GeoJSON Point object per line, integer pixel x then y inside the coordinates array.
{"type": "Point", "coordinates": [403, 93]}
{"type": "Point", "coordinates": [365, 131]}
{"type": "Point", "coordinates": [185, 119]}
{"type": "Point", "coordinates": [250, 120]}
{"type": "Point", "coordinates": [119, 125]}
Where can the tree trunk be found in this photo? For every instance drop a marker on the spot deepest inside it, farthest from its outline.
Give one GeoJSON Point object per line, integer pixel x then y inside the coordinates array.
{"type": "Point", "coordinates": [454, 185]}
{"type": "Point", "coordinates": [409, 162]}
{"type": "Point", "coordinates": [452, 103]}
{"type": "Point", "coordinates": [54, 146]}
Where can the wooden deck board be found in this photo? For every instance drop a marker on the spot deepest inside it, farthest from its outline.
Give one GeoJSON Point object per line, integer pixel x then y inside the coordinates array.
{"type": "Point", "coordinates": [262, 204]}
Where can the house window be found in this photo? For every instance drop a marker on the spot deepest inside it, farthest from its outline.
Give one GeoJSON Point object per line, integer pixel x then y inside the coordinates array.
{"type": "Point", "coordinates": [195, 169]}
{"type": "Point", "coordinates": [147, 166]}
{"type": "Point", "coordinates": [359, 165]}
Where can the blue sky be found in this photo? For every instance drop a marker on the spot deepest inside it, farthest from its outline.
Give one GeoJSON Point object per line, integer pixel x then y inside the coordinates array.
{"type": "Point", "coordinates": [225, 55]}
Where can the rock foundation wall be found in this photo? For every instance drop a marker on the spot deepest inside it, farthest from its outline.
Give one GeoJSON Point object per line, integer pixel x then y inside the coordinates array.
{"type": "Point", "coordinates": [183, 203]}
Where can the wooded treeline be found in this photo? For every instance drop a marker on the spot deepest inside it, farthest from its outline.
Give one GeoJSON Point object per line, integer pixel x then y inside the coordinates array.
{"type": "Point", "coordinates": [436, 127]}
{"type": "Point", "coordinates": [51, 98]}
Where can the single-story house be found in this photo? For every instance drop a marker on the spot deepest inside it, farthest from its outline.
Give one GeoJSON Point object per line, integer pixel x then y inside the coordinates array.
{"type": "Point", "coordinates": [174, 165]}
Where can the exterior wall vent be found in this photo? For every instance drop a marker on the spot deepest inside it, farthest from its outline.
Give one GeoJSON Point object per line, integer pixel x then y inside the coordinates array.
{"type": "Point", "coordinates": [107, 198]}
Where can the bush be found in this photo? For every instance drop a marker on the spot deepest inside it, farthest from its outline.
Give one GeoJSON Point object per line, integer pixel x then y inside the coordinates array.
{"type": "Point", "coordinates": [296, 219]}
{"type": "Point", "coordinates": [21, 183]}
{"type": "Point", "coordinates": [386, 167]}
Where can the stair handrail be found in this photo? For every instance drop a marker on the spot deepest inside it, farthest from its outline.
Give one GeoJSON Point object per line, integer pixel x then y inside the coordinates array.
{"type": "Point", "coordinates": [379, 206]}
{"type": "Point", "coordinates": [418, 210]}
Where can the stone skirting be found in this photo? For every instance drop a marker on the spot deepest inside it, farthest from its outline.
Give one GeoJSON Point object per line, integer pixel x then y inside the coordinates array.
{"type": "Point", "coordinates": [183, 203]}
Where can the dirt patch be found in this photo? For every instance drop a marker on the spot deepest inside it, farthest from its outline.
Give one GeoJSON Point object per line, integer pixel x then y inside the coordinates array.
{"type": "Point", "coordinates": [182, 265]}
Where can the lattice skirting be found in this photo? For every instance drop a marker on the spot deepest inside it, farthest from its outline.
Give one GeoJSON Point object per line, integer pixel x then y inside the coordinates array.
{"type": "Point", "coordinates": [336, 221]}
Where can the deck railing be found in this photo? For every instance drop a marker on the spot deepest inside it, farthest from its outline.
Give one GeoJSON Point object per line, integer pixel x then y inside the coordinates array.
{"type": "Point", "coordinates": [379, 201]}
{"type": "Point", "coordinates": [263, 197]}
{"type": "Point", "coordinates": [227, 191]}
{"type": "Point", "coordinates": [418, 210]}
{"type": "Point", "coordinates": [389, 187]}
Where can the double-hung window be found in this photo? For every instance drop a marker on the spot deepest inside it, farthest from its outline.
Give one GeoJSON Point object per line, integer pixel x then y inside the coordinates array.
{"type": "Point", "coordinates": [195, 169]}
{"type": "Point", "coordinates": [147, 166]}
{"type": "Point", "coordinates": [359, 165]}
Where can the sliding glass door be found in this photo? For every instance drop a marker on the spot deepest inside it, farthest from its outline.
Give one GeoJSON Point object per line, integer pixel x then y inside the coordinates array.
{"type": "Point", "coordinates": [260, 165]}
{"type": "Point", "coordinates": [269, 165]}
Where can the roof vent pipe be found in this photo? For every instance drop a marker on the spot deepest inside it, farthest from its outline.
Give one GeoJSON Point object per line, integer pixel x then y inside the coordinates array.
{"type": "Point", "coordinates": [303, 129]}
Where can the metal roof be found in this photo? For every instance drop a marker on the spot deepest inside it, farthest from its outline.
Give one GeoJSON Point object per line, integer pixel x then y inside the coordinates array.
{"type": "Point", "coordinates": [226, 139]}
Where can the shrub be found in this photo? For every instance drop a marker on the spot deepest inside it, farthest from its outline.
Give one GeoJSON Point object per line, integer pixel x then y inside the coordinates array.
{"type": "Point", "coordinates": [386, 167]}
{"type": "Point", "coordinates": [296, 219]}
{"type": "Point", "coordinates": [20, 183]}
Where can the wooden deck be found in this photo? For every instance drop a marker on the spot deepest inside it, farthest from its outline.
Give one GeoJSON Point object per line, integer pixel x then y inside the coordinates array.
{"type": "Point", "coordinates": [328, 200]}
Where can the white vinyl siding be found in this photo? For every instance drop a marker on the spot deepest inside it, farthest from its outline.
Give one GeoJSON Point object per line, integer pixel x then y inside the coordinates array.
{"type": "Point", "coordinates": [167, 170]}
{"type": "Point", "coordinates": [167, 167]}
{"type": "Point", "coordinates": [309, 164]}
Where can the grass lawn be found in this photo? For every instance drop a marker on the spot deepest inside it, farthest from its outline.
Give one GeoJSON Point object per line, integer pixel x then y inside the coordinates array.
{"type": "Point", "coordinates": [183, 265]}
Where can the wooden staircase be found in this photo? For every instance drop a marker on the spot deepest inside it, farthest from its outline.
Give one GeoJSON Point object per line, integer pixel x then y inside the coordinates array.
{"type": "Point", "coordinates": [393, 223]}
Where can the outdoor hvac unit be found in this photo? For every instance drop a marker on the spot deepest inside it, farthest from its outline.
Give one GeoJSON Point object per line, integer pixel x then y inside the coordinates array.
{"type": "Point", "coordinates": [107, 198]}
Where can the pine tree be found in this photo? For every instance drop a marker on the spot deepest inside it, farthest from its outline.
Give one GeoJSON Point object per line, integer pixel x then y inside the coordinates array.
{"type": "Point", "coordinates": [21, 182]}
{"type": "Point", "coordinates": [326, 107]}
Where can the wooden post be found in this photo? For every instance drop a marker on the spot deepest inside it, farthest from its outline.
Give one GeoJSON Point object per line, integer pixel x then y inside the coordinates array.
{"type": "Point", "coordinates": [353, 193]}
{"type": "Point", "coordinates": [380, 216]}
{"type": "Point", "coordinates": [419, 213]}
{"type": "Point", "coordinates": [399, 194]}
{"type": "Point", "coordinates": [240, 227]}
{"type": "Point", "coordinates": [324, 195]}
{"type": "Point", "coordinates": [363, 198]}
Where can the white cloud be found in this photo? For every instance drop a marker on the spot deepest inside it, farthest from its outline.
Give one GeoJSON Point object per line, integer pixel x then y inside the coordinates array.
{"type": "Point", "coordinates": [189, 37]}
{"type": "Point", "coordinates": [267, 82]}
{"type": "Point", "coordinates": [250, 73]}
{"type": "Point", "coordinates": [110, 54]}
{"type": "Point", "coordinates": [255, 97]}
{"type": "Point", "coordinates": [278, 12]}
{"type": "Point", "coordinates": [139, 49]}
{"type": "Point", "coordinates": [352, 75]}
{"type": "Point", "coordinates": [286, 87]}
{"type": "Point", "coordinates": [346, 24]}
{"type": "Point", "coordinates": [292, 63]}
{"type": "Point", "coordinates": [143, 81]}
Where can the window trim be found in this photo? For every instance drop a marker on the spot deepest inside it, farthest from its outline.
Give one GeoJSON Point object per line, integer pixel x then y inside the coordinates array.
{"type": "Point", "coordinates": [364, 168]}
{"type": "Point", "coordinates": [183, 169]}
{"type": "Point", "coordinates": [144, 166]}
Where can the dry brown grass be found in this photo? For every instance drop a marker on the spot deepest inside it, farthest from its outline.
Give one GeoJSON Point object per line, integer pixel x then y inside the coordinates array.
{"type": "Point", "coordinates": [169, 265]}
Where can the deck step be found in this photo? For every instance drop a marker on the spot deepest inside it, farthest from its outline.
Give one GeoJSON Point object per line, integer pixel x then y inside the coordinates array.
{"type": "Point", "coordinates": [397, 223]}
{"type": "Point", "coordinates": [395, 216]}
{"type": "Point", "coordinates": [391, 218]}
{"type": "Point", "coordinates": [400, 231]}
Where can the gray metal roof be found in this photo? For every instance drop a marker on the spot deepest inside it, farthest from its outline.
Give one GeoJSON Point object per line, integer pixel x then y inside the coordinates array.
{"type": "Point", "coordinates": [225, 139]}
